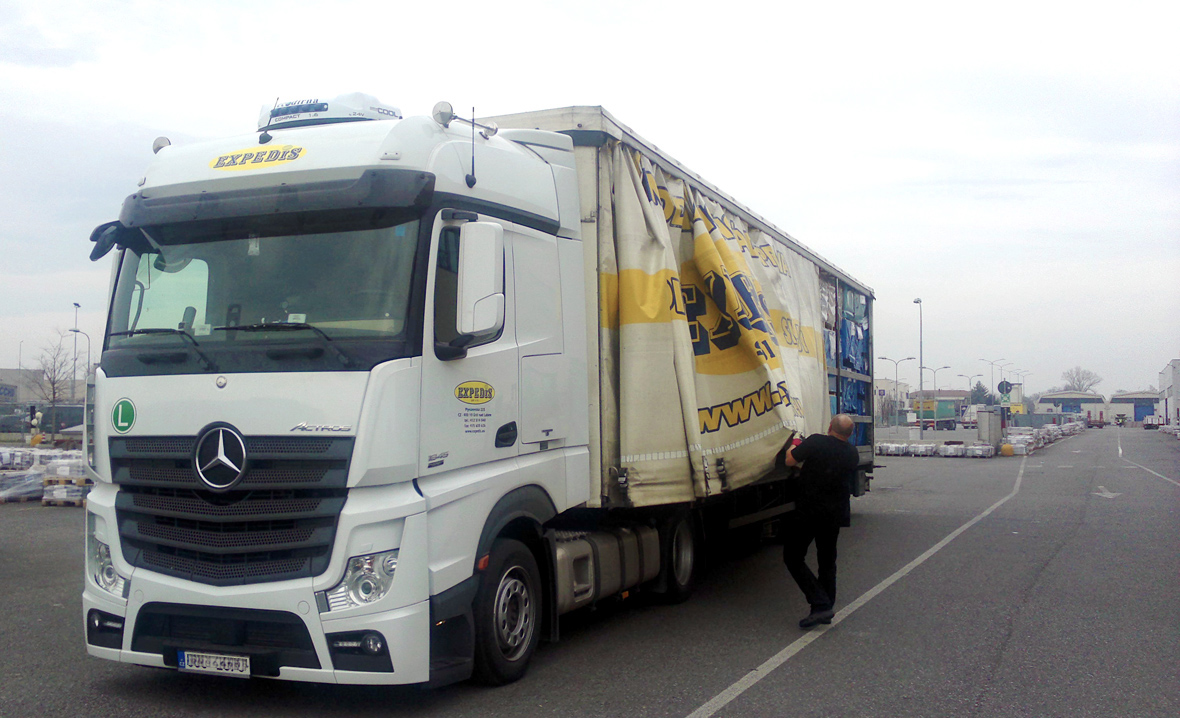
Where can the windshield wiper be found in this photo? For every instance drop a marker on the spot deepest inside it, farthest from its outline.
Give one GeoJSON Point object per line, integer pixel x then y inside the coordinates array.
{"type": "Point", "coordinates": [289, 326]}
{"type": "Point", "coordinates": [206, 361]}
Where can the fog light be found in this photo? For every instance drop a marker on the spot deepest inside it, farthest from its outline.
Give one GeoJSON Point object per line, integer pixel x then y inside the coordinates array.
{"type": "Point", "coordinates": [373, 644]}
{"type": "Point", "coordinates": [104, 629]}
{"type": "Point", "coordinates": [359, 651]}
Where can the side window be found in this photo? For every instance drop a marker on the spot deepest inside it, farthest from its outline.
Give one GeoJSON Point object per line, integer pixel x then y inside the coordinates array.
{"type": "Point", "coordinates": [169, 296]}
{"type": "Point", "coordinates": [446, 286]}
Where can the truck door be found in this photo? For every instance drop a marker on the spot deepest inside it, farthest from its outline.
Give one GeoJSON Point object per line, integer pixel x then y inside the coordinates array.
{"type": "Point", "coordinates": [544, 382]}
{"type": "Point", "coordinates": [470, 398]}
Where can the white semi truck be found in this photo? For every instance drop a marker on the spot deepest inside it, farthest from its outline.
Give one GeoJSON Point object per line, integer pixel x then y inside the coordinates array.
{"type": "Point", "coordinates": [380, 397]}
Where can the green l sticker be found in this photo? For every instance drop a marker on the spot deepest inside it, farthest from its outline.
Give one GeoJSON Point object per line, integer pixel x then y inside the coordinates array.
{"type": "Point", "coordinates": [123, 416]}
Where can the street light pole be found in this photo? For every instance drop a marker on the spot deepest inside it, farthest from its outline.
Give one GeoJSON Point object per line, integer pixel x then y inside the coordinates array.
{"type": "Point", "coordinates": [76, 333]}
{"type": "Point", "coordinates": [895, 391]}
{"type": "Point", "coordinates": [1005, 364]}
{"type": "Point", "coordinates": [992, 381]}
{"type": "Point", "coordinates": [932, 369]}
{"type": "Point", "coordinates": [969, 378]}
{"type": "Point", "coordinates": [921, 362]}
{"type": "Point", "coordinates": [74, 373]}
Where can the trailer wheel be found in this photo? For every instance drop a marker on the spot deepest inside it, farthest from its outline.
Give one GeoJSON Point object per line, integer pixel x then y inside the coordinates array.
{"type": "Point", "coordinates": [507, 614]}
{"type": "Point", "coordinates": [678, 557]}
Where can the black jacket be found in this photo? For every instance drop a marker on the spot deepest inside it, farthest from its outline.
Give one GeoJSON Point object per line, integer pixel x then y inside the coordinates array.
{"type": "Point", "coordinates": [829, 468]}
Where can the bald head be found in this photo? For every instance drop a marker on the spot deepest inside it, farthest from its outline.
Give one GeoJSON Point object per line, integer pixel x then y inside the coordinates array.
{"type": "Point", "coordinates": [841, 426]}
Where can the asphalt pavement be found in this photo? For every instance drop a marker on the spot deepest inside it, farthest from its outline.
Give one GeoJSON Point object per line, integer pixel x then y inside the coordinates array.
{"type": "Point", "coordinates": [1057, 594]}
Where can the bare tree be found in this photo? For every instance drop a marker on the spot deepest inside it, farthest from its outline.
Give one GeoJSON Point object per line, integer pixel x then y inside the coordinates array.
{"type": "Point", "coordinates": [54, 379]}
{"type": "Point", "coordinates": [1079, 379]}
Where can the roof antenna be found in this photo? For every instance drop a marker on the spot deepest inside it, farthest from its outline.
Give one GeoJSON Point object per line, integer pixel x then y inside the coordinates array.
{"type": "Point", "coordinates": [444, 114]}
{"type": "Point", "coordinates": [471, 177]}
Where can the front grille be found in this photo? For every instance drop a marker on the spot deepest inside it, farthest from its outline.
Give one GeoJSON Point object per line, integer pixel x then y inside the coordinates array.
{"type": "Point", "coordinates": [217, 537]}
{"type": "Point", "coordinates": [160, 445]}
{"type": "Point", "coordinates": [154, 471]}
{"type": "Point", "coordinates": [277, 523]}
{"type": "Point", "coordinates": [209, 568]}
{"type": "Point", "coordinates": [272, 639]}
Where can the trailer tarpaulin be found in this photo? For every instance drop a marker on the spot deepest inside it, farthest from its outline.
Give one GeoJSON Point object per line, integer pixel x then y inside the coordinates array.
{"type": "Point", "coordinates": [711, 349]}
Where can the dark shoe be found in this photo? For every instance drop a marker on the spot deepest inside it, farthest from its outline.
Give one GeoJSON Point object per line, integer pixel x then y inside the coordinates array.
{"type": "Point", "coordinates": [817, 617]}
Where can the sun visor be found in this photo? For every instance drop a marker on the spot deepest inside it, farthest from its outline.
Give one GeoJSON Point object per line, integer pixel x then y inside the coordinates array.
{"type": "Point", "coordinates": [374, 189]}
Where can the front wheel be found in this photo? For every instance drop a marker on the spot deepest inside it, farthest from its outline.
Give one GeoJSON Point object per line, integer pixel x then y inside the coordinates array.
{"type": "Point", "coordinates": [507, 614]}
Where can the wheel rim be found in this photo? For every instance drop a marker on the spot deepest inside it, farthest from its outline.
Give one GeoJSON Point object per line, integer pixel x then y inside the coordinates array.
{"type": "Point", "coordinates": [682, 553]}
{"type": "Point", "coordinates": [515, 614]}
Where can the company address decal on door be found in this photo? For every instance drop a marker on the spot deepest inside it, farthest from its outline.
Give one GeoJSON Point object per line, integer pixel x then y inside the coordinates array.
{"type": "Point", "coordinates": [475, 416]}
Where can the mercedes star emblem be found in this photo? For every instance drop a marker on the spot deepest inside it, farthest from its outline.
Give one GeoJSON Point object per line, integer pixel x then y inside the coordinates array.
{"type": "Point", "coordinates": [220, 458]}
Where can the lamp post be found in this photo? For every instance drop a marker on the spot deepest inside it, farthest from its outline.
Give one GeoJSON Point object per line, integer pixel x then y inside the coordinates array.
{"type": "Point", "coordinates": [74, 373]}
{"type": "Point", "coordinates": [895, 390]}
{"type": "Point", "coordinates": [76, 332]}
{"type": "Point", "coordinates": [1002, 368]}
{"type": "Point", "coordinates": [931, 369]}
{"type": "Point", "coordinates": [921, 361]}
{"type": "Point", "coordinates": [969, 378]}
{"type": "Point", "coordinates": [20, 370]}
{"type": "Point", "coordinates": [992, 381]}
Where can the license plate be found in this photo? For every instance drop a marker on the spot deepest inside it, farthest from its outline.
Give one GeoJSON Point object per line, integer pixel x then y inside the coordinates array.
{"type": "Point", "coordinates": [213, 663]}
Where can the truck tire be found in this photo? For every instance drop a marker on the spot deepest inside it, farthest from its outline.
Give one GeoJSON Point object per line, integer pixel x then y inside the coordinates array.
{"type": "Point", "coordinates": [507, 614]}
{"type": "Point", "coordinates": [678, 557]}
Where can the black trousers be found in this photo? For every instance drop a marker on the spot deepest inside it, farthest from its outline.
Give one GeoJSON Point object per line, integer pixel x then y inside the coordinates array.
{"type": "Point", "coordinates": [801, 530]}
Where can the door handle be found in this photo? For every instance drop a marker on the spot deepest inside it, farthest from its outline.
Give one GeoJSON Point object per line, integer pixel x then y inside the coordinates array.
{"type": "Point", "coordinates": [506, 435]}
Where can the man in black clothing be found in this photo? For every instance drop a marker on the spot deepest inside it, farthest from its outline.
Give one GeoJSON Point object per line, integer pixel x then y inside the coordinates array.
{"type": "Point", "coordinates": [821, 507]}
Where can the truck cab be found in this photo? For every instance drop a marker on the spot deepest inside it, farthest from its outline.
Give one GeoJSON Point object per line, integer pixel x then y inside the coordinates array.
{"type": "Point", "coordinates": [316, 336]}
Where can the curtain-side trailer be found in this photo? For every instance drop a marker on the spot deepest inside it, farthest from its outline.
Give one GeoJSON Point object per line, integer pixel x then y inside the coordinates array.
{"type": "Point", "coordinates": [381, 398]}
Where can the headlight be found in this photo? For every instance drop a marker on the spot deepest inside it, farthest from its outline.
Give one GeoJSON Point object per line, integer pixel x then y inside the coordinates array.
{"type": "Point", "coordinates": [366, 579]}
{"type": "Point", "coordinates": [101, 567]}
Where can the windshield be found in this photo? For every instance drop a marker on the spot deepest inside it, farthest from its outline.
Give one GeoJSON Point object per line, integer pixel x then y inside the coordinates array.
{"type": "Point", "coordinates": [344, 286]}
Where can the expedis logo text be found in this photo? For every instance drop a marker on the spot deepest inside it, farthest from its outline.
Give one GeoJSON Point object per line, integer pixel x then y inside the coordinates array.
{"type": "Point", "coordinates": [475, 392]}
{"type": "Point", "coordinates": [257, 158]}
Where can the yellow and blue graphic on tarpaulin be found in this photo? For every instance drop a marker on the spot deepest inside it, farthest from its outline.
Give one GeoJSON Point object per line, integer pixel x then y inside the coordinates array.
{"type": "Point", "coordinates": [721, 319]}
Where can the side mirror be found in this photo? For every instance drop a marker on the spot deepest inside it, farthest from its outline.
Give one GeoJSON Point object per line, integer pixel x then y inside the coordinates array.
{"type": "Point", "coordinates": [481, 279]}
{"type": "Point", "coordinates": [107, 236]}
{"type": "Point", "coordinates": [103, 237]}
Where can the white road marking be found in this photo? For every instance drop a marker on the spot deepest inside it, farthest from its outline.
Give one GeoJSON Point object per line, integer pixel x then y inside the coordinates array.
{"type": "Point", "coordinates": [748, 681]}
{"type": "Point", "coordinates": [1165, 478]}
{"type": "Point", "coordinates": [1120, 435]}
{"type": "Point", "coordinates": [1105, 494]}
{"type": "Point", "coordinates": [1065, 467]}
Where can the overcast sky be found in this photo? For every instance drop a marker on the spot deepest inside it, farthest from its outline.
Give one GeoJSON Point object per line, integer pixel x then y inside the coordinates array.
{"type": "Point", "coordinates": [1015, 165]}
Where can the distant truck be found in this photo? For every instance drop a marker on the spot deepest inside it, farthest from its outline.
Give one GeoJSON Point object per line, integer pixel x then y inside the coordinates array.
{"type": "Point", "coordinates": [381, 398]}
{"type": "Point", "coordinates": [970, 418]}
{"type": "Point", "coordinates": [938, 413]}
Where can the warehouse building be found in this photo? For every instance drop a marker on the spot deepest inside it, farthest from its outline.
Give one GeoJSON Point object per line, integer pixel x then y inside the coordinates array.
{"type": "Point", "coordinates": [1169, 398]}
{"type": "Point", "coordinates": [1088, 404]}
{"type": "Point", "coordinates": [1134, 405]}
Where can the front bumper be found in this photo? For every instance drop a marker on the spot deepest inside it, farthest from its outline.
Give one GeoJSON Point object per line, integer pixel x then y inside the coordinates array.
{"type": "Point", "coordinates": [278, 624]}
